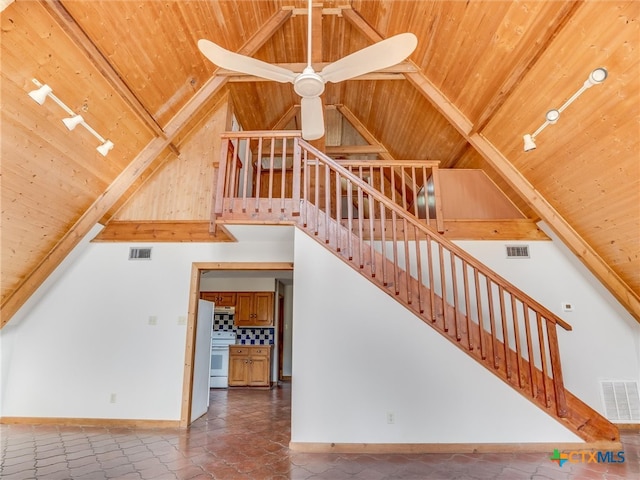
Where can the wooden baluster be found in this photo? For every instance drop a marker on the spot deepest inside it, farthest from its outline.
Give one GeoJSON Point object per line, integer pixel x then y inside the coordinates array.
{"type": "Point", "coordinates": [316, 191]}
{"type": "Point", "coordinates": [415, 191]}
{"type": "Point", "coordinates": [407, 273]}
{"type": "Point", "coordinates": [270, 189]}
{"type": "Point", "coordinates": [443, 287]}
{"type": "Point", "coordinates": [305, 188]}
{"type": "Point", "coordinates": [383, 240]}
{"type": "Point", "coordinates": [418, 268]}
{"type": "Point", "coordinates": [245, 177]}
{"type": "Point", "coordinates": [404, 189]}
{"type": "Point", "coordinates": [492, 324]}
{"type": "Point", "coordinates": [554, 355]}
{"type": "Point", "coordinates": [233, 183]}
{"type": "Point", "coordinates": [327, 202]}
{"type": "Point", "coordinates": [432, 287]}
{"type": "Point", "coordinates": [543, 359]}
{"type": "Point", "coordinates": [438, 200]}
{"type": "Point", "coordinates": [516, 333]}
{"type": "Point", "coordinates": [530, 354]}
{"type": "Point", "coordinates": [338, 212]}
{"type": "Point", "coordinates": [350, 219]}
{"type": "Point", "coordinates": [296, 177]}
{"type": "Point", "coordinates": [467, 305]}
{"type": "Point", "coordinates": [283, 174]}
{"type": "Point", "coordinates": [360, 225]}
{"type": "Point", "coordinates": [505, 333]}
{"type": "Point", "coordinates": [394, 227]}
{"type": "Point", "coordinates": [483, 348]}
{"type": "Point", "coordinates": [372, 249]}
{"type": "Point", "coordinates": [454, 278]}
{"type": "Point", "coordinates": [425, 180]}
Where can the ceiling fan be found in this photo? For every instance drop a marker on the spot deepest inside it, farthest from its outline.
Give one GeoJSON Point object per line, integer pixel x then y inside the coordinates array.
{"type": "Point", "coordinates": [309, 84]}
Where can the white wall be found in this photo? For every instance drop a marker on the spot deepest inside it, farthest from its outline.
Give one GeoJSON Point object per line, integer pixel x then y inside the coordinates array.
{"type": "Point", "coordinates": [89, 337]}
{"type": "Point", "coordinates": [358, 355]}
{"type": "Point", "coordinates": [228, 284]}
{"type": "Point", "coordinates": [605, 341]}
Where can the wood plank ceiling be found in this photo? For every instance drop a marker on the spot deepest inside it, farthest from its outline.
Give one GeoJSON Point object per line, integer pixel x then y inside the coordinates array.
{"type": "Point", "coordinates": [484, 73]}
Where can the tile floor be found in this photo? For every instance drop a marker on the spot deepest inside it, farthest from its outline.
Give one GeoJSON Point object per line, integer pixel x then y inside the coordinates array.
{"type": "Point", "coordinates": [245, 435]}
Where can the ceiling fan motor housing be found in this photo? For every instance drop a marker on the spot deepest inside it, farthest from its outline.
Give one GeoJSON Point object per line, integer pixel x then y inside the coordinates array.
{"type": "Point", "coordinates": [308, 84]}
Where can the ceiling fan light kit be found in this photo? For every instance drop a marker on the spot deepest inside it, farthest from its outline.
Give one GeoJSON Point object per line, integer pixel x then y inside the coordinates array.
{"type": "Point", "coordinates": [596, 77]}
{"type": "Point", "coordinates": [309, 84]}
{"type": "Point", "coordinates": [40, 95]}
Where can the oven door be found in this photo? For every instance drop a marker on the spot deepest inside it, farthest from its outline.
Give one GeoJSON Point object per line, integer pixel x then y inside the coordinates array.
{"type": "Point", "coordinates": [219, 360]}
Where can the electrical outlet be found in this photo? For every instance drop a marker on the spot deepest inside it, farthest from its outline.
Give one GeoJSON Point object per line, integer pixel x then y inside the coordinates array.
{"type": "Point", "coordinates": [113, 398]}
{"type": "Point", "coordinates": [153, 320]}
{"type": "Point", "coordinates": [182, 320]}
{"type": "Point", "coordinates": [391, 418]}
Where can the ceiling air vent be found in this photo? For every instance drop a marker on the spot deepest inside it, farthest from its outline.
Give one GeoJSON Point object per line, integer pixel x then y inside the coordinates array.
{"type": "Point", "coordinates": [136, 253]}
{"type": "Point", "coordinates": [621, 401]}
{"type": "Point", "coordinates": [517, 251]}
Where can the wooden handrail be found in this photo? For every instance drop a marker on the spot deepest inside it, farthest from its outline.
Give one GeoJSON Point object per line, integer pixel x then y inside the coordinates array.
{"type": "Point", "coordinates": [473, 306]}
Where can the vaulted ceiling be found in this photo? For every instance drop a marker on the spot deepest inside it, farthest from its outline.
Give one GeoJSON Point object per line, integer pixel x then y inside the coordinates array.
{"type": "Point", "coordinates": [484, 73]}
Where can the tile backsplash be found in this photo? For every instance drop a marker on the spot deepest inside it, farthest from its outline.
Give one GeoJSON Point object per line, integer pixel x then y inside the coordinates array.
{"type": "Point", "coordinates": [245, 335]}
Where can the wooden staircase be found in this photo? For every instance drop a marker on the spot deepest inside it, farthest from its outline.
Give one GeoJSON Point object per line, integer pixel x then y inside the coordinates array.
{"type": "Point", "coordinates": [283, 179]}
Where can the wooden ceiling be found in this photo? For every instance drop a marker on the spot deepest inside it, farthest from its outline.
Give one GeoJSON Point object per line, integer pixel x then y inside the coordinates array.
{"type": "Point", "coordinates": [484, 74]}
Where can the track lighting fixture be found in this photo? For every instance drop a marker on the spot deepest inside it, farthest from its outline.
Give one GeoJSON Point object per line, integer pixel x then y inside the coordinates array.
{"type": "Point", "coordinates": [596, 77]}
{"type": "Point", "coordinates": [40, 95]}
{"type": "Point", "coordinates": [73, 122]}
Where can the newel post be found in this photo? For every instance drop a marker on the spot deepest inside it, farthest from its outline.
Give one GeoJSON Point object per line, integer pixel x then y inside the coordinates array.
{"type": "Point", "coordinates": [219, 179]}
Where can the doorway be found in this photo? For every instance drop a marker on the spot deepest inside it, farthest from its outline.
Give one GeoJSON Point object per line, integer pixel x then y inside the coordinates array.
{"type": "Point", "coordinates": [284, 270]}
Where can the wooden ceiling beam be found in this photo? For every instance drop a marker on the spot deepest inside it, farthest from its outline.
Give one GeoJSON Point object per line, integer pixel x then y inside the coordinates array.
{"type": "Point", "coordinates": [525, 63]}
{"type": "Point", "coordinates": [578, 245]}
{"type": "Point", "coordinates": [67, 23]}
{"type": "Point", "coordinates": [129, 175]}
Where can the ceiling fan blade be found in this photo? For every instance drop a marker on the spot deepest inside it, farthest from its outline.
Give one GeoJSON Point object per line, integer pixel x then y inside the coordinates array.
{"type": "Point", "coordinates": [243, 64]}
{"type": "Point", "coordinates": [312, 118]}
{"type": "Point", "coordinates": [380, 55]}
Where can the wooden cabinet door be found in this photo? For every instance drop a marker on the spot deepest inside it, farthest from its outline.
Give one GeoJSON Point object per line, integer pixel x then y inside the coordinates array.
{"type": "Point", "coordinates": [225, 299]}
{"type": "Point", "coordinates": [238, 367]}
{"type": "Point", "coordinates": [244, 308]}
{"type": "Point", "coordinates": [221, 299]}
{"type": "Point", "coordinates": [259, 366]}
{"type": "Point", "coordinates": [263, 309]}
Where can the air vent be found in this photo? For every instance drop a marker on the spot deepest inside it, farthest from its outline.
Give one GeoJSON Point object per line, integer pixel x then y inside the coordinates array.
{"type": "Point", "coordinates": [136, 253]}
{"type": "Point", "coordinates": [621, 401]}
{"type": "Point", "coordinates": [517, 251]}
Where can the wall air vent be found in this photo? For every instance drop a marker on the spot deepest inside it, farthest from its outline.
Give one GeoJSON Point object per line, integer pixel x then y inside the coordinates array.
{"type": "Point", "coordinates": [137, 253]}
{"type": "Point", "coordinates": [621, 401]}
{"type": "Point", "coordinates": [518, 251]}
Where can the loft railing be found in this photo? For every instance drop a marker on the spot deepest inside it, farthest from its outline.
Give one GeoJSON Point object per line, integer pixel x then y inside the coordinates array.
{"type": "Point", "coordinates": [278, 177]}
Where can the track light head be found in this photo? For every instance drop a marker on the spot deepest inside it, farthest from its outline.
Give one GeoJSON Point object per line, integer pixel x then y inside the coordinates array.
{"type": "Point", "coordinates": [73, 122]}
{"type": "Point", "coordinates": [105, 147]}
{"type": "Point", "coordinates": [41, 94]}
{"type": "Point", "coordinates": [529, 144]}
{"type": "Point", "coordinates": [597, 76]}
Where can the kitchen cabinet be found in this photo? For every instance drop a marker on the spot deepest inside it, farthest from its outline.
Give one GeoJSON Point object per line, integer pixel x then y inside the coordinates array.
{"type": "Point", "coordinates": [254, 309]}
{"type": "Point", "coordinates": [221, 299]}
{"type": "Point", "coordinates": [249, 365]}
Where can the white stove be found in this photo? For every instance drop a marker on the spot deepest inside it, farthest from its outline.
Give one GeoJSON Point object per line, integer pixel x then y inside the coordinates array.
{"type": "Point", "coordinates": [220, 341]}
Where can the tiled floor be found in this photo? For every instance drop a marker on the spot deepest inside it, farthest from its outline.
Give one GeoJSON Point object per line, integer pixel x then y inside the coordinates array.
{"type": "Point", "coordinates": [245, 435]}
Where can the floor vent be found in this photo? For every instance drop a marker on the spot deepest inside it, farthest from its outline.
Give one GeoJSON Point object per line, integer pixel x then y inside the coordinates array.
{"type": "Point", "coordinates": [621, 401]}
{"type": "Point", "coordinates": [517, 251]}
{"type": "Point", "coordinates": [136, 253]}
